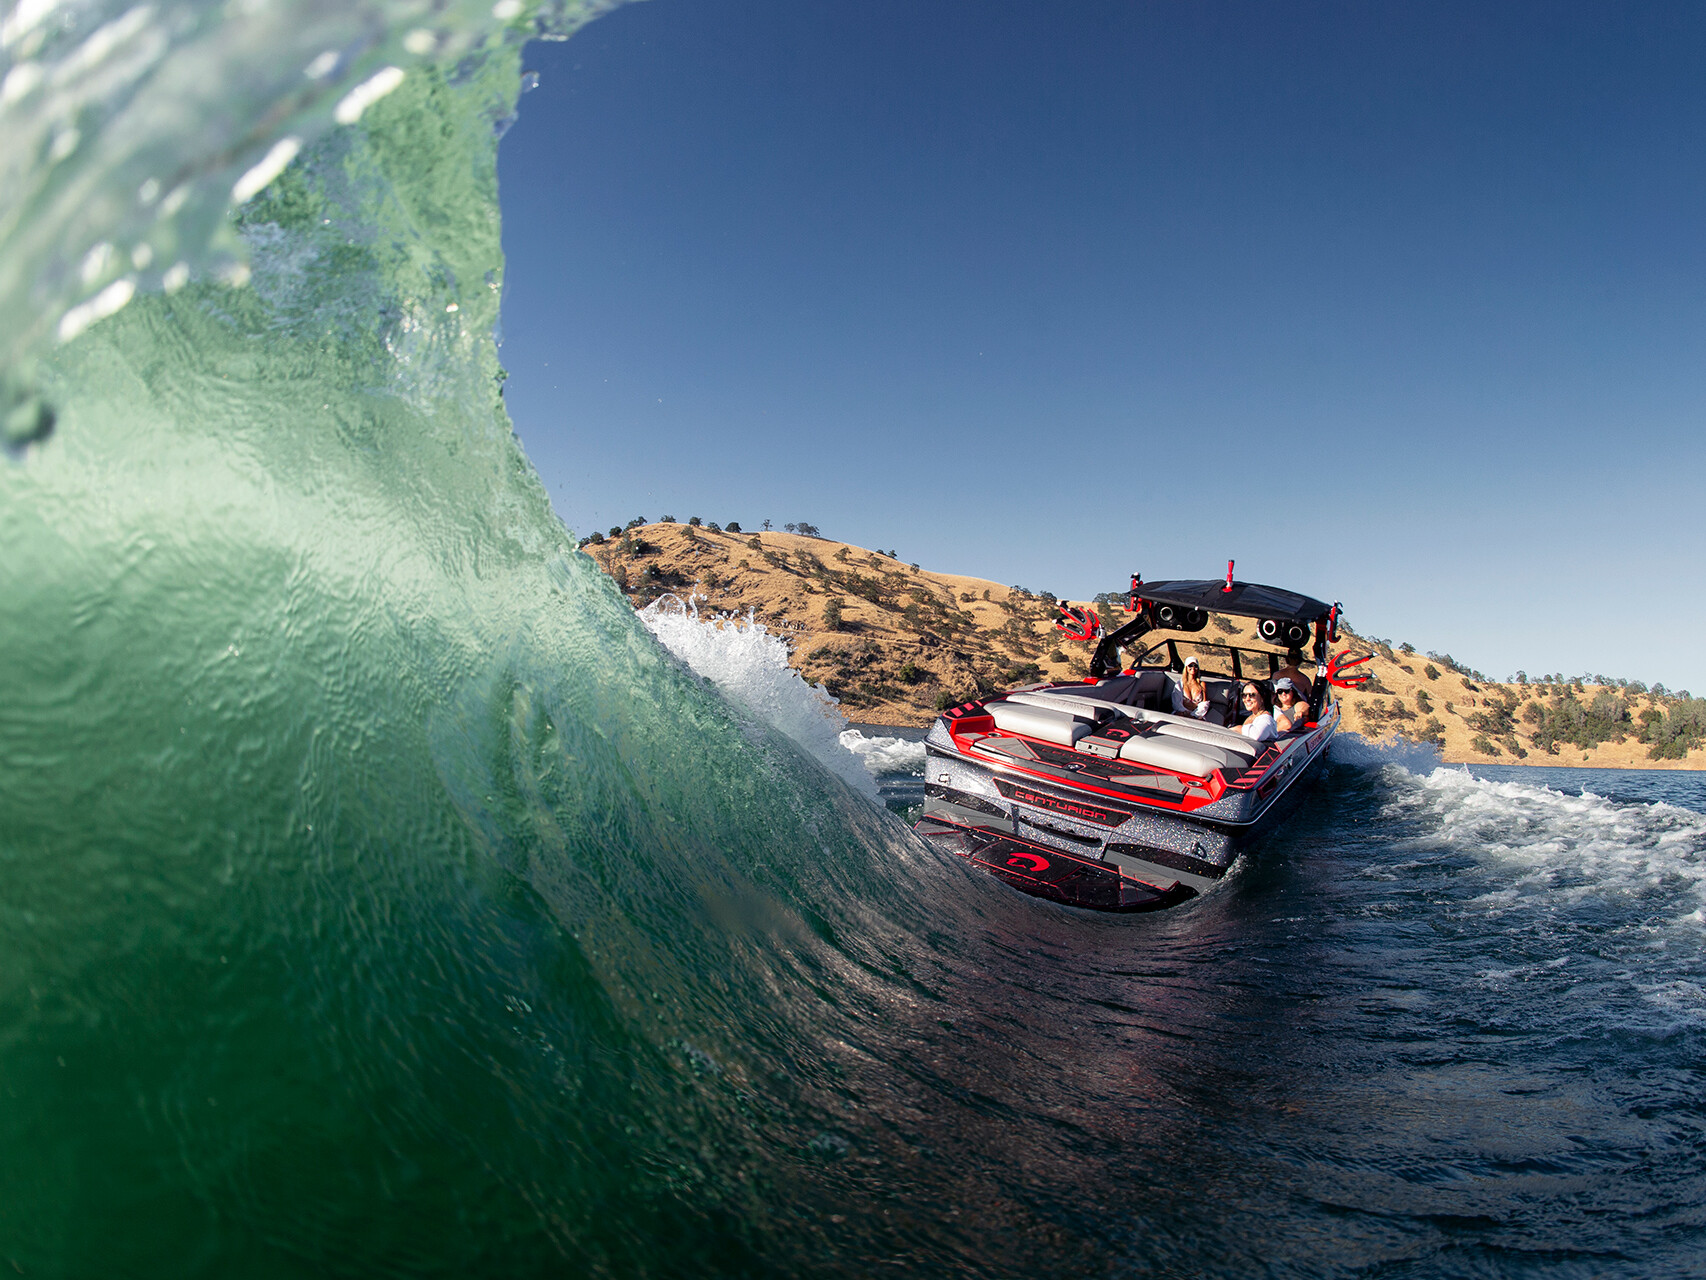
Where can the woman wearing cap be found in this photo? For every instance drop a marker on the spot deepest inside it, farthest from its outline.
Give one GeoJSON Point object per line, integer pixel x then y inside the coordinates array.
{"type": "Point", "coordinates": [1291, 712]}
{"type": "Point", "coordinates": [1190, 695]}
{"type": "Point", "coordinates": [1259, 723]}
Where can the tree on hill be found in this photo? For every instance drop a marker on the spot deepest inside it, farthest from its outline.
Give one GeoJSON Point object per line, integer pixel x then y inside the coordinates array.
{"type": "Point", "coordinates": [1569, 721]}
{"type": "Point", "coordinates": [1671, 734]}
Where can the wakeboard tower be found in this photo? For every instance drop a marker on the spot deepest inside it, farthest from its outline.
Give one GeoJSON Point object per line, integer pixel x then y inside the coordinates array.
{"type": "Point", "coordinates": [1097, 794]}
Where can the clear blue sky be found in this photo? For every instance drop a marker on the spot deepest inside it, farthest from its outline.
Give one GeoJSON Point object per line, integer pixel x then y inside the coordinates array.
{"type": "Point", "coordinates": [1396, 304]}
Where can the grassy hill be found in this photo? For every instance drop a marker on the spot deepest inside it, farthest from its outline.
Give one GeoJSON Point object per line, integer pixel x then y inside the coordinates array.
{"type": "Point", "coordinates": [895, 642]}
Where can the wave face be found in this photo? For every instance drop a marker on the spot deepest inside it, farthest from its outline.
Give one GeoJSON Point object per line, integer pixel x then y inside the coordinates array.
{"type": "Point", "coordinates": [381, 897]}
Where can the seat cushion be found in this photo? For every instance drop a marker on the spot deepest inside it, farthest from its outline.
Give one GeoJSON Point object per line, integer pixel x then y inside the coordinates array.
{"type": "Point", "coordinates": [1044, 723]}
{"type": "Point", "coordinates": [1217, 741]}
{"type": "Point", "coordinates": [1180, 755]}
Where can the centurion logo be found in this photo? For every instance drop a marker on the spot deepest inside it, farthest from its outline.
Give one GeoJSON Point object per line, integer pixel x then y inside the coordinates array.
{"type": "Point", "coordinates": [1101, 815]}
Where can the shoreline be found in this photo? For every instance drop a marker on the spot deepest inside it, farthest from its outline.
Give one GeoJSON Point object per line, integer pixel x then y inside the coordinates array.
{"type": "Point", "coordinates": [907, 732]}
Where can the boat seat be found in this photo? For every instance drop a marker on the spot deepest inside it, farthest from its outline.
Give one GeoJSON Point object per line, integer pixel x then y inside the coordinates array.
{"type": "Point", "coordinates": [1222, 701]}
{"type": "Point", "coordinates": [1167, 725]}
{"type": "Point", "coordinates": [1155, 692]}
{"type": "Point", "coordinates": [1047, 723]}
{"type": "Point", "coordinates": [1146, 689]}
{"type": "Point", "coordinates": [1212, 739]}
{"type": "Point", "coordinates": [1182, 755]}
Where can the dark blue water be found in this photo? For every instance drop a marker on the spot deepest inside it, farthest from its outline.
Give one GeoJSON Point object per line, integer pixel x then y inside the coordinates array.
{"type": "Point", "coordinates": [1446, 1023]}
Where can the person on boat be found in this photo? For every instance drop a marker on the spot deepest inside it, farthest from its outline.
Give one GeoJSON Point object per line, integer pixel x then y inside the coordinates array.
{"type": "Point", "coordinates": [1291, 712]}
{"type": "Point", "coordinates": [1190, 695]}
{"type": "Point", "coordinates": [1258, 724]}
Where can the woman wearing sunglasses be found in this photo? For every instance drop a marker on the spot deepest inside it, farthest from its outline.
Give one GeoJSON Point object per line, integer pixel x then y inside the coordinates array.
{"type": "Point", "coordinates": [1291, 712]}
{"type": "Point", "coordinates": [1259, 721]}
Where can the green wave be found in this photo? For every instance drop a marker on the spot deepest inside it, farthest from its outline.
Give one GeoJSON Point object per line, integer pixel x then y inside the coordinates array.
{"type": "Point", "coordinates": [380, 897]}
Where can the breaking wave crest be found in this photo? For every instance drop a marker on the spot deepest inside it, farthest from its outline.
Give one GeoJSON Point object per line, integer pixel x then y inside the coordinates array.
{"type": "Point", "coordinates": [750, 666]}
{"type": "Point", "coordinates": [884, 754]}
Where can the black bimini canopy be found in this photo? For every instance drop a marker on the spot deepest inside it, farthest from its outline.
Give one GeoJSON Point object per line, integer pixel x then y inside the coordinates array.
{"type": "Point", "coordinates": [1245, 600]}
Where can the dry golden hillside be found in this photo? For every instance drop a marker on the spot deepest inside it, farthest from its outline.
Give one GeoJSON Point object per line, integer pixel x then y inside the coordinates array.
{"type": "Point", "coordinates": [894, 642]}
{"type": "Point", "coordinates": [891, 642]}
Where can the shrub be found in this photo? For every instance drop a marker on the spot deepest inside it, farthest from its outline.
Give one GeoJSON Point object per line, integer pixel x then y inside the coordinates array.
{"type": "Point", "coordinates": [832, 613]}
{"type": "Point", "coordinates": [912, 673]}
{"type": "Point", "coordinates": [615, 531]}
{"type": "Point", "coordinates": [809, 530]}
{"type": "Point", "coordinates": [595, 537]}
{"type": "Point", "coordinates": [1494, 721]}
{"type": "Point", "coordinates": [1671, 736]}
{"type": "Point", "coordinates": [1057, 654]}
{"type": "Point", "coordinates": [1431, 671]}
{"type": "Point", "coordinates": [1424, 704]}
{"type": "Point", "coordinates": [944, 700]}
{"type": "Point", "coordinates": [713, 527]}
{"type": "Point", "coordinates": [753, 543]}
{"type": "Point", "coordinates": [666, 519]}
{"type": "Point", "coordinates": [733, 526]}
{"type": "Point", "coordinates": [694, 521]}
{"type": "Point", "coordinates": [1481, 744]}
{"type": "Point", "coordinates": [1571, 722]}
{"type": "Point", "coordinates": [636, 522]}
{"type": "Point", "coordinates": [1433, 731]}
{"type": "Point", "coordinates": [1223, 623]}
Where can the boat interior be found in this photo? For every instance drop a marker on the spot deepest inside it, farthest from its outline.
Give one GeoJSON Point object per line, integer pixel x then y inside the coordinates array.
{"type": "Point", "coordinates": [1129, 717]}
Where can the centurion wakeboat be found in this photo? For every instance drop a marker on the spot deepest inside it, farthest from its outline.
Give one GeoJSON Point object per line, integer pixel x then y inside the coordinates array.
{"type": "Point", "coordinates": [1099, 793]}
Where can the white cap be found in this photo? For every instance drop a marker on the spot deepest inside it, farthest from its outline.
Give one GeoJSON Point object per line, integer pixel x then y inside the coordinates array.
{"type": "Point", "coordinates": [1192, 661]}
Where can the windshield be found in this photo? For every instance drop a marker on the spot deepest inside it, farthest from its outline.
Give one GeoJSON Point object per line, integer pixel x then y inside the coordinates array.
{"type": "Point", "coordinates": [1222, 658]}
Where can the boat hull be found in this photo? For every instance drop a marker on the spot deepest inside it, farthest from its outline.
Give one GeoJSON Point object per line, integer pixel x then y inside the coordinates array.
{"type": "Point", "coordinates": [1075, 832]}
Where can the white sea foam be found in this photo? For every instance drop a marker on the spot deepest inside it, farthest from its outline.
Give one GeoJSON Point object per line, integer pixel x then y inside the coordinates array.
{"type": "Point", "coordinates": [1610, 895]}
{"type": "Point", "coordinates": [884, 756]}
{"type": "Point", "coordinates": [750, 665]}
{"type": "Point", "coordinates": [1570, 847]}
{"type": "Point", "coordinates": [1554, 847]}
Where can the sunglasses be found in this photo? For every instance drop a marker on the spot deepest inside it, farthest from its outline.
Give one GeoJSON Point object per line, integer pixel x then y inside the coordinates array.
{"type": "Point", "coordinates": [1252, 697]}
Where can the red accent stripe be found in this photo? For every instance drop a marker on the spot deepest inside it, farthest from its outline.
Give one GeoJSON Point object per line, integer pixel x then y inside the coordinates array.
{"type": "Point", "coordinates": [1216, 782]}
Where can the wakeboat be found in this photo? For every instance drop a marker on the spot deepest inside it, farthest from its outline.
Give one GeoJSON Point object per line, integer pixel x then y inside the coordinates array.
{"type": "Point", "coordinates": [1101, 793]}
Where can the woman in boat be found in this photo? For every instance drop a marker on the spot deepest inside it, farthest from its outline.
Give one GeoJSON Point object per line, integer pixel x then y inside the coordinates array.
{"type": "Point", "coordinates": [1291, 712]}
{"type": "Point", "coordinates": [1258, 725]}
{"type": "Point", "coordinates": [1190, 695]}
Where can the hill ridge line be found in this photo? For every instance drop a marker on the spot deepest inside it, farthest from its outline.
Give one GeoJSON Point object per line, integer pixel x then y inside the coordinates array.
{"type": "Point", "coordinates": [892, 642]}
